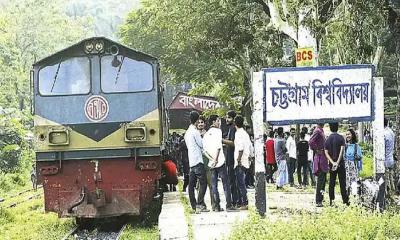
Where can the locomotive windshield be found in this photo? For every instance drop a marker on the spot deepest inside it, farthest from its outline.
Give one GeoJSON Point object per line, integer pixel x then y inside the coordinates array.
{"type": "Point", "coordinates": [66, 77]}
{"type": "Point", "coordinates": [123, 74]}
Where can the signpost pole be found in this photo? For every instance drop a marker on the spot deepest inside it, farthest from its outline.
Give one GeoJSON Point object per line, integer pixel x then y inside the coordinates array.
{"type": "Point", "coordinates": [379, 141]}
{"type": "Point", "coordinates": [258, 126]}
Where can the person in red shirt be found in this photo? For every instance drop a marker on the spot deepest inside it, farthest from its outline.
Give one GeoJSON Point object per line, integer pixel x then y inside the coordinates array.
{"type": "Point", "coordinates": [169, 174]}
{"type": "Point", "coordinates": [270, 157]}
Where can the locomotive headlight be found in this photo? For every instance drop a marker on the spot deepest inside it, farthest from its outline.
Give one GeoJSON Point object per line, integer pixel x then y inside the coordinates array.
{"type": "Point", "coordinates": [58, 137]}
{"type": "Point", "coordinates": [89, 47]}
{"type": "Point", "coordinates": [99, 46]}
{"type": "Point", "coordinates": [135, 134]}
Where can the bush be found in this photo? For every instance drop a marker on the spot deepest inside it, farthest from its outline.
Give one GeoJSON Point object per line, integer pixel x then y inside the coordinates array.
{"type": "Point", "coordinates": [10, 181]}
{"type": "Point", "coordinates": [368, 166]}
{"type": "Point", "coordinates": [15, 152]}
{"type": "Point", "coordinates": [332, 223]}
{"type": "Point", "coordinates": [9, 157]}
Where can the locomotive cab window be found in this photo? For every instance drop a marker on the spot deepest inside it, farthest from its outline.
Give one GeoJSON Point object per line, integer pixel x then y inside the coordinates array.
{"type": "Point", "coordinates": [66, 77]}
{"type": "Point", "coordinates": [123, 74]}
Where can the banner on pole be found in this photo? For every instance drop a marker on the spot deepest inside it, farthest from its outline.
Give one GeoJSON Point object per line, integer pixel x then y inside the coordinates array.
{"type": "Point", "coordinates": [310, 95]}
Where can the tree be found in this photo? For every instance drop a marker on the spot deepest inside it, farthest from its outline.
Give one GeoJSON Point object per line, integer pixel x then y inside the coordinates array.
{"type": "Point", "coordinates": [214, 44]}
{"type": "Point", "coordinates": [211, 44]}
{"type": "Point", "coordinates": [31, 30]}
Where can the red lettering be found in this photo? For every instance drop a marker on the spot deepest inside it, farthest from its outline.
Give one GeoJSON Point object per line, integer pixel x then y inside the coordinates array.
{"type": "Point", "coordinates": [303, 55]}
{"type": "Point", "coordinates": [309, 55]}
{"type": "Point", "coordinates": [298, 56]}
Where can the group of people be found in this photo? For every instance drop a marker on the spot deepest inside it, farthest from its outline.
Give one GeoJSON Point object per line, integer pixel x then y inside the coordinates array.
{"type": "Point", "coordinates": [206, 154]}
{"type": "Point", "coordinates": [212, 156]}
{"type": "Point", "coordinates": [317, 155]}
{"type": "Point", "coordinates": [279, 147]}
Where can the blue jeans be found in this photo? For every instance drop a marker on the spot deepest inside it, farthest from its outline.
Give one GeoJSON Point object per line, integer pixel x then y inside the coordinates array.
{"type": "Point", "coordinates": [215, 172]}
{"type": "Point", "coordinates": [197, 173]}
{"type": "Point", "coordinates": [240, 178]}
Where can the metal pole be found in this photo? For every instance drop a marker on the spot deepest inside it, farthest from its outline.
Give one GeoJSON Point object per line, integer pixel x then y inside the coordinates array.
{"type": "Point", "coordinates": [258, 118]}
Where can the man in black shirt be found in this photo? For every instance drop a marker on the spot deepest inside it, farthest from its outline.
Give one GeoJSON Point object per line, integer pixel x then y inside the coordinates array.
{"type": "Point", "coordinates": [229, 154]}
{"type": "Point", "coordinates": [302, 160]}
{"type": "Point", "coordinates": [334, 150]}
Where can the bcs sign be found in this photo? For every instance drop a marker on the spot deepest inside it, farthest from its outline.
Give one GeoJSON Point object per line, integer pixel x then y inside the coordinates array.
{"type": "Point", "coordinates": [305, 57]}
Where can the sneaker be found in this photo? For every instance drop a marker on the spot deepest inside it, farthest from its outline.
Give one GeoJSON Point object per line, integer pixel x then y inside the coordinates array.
{"type": "Point", "coordinates": [203, 209]}
{"type": "Point", "coordinates": [218, 209]}
{"type": "Point", "coordinates": [232, 209]}
{"type": "Point", "coordinates": [244, 207]}
{"type": "Point", "coordinates": [320, 205]}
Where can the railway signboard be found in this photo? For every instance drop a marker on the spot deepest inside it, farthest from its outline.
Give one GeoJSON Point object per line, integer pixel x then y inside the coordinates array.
{"type": "Point", "coordinates": [307, 95]}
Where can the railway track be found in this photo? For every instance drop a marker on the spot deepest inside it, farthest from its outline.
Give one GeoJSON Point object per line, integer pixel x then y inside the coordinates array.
{"type": "Point", "coordinates": [8, 203]}
{"type": "Point", "coordinates": [20, 193]}
{"type": "Point", "coordinates": [29, 198]}
{"type": "Point", "coordinates": [101, 232]}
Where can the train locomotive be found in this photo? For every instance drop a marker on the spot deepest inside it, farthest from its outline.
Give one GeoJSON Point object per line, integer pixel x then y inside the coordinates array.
{"type": "Point", "coordinates": [99, 129]}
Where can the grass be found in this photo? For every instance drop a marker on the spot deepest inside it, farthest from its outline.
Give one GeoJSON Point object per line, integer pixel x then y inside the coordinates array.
{"type": "Point", "coordinates": [140, 233]}
{"type": "Point", "coordinates": [188, 210]}
{"type": "Point", "coordinates": [28, 221]}
{"type": "Point", "coordinates": [13, 183]}
{"type": "Point", "coordinates": [332, 223]}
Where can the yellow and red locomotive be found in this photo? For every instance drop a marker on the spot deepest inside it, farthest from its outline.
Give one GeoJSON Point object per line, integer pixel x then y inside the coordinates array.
{"type": "Point", "coordinates": [98, 122]}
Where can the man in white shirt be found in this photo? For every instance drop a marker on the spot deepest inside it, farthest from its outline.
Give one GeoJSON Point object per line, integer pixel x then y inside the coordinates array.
{"type": "Point", "coordinates": [194, 145]}
{"type": "Point", "coordinates": [291, 147]}
{"type": "Point", "coordinates": [212, 142]}
{"type": "Point", "coordinates": [242, 163]}
{"type": "Point", "coordinates": [389, 153]}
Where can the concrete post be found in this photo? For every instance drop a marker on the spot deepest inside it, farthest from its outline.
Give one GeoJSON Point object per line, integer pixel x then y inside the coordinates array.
{"type": "Point", "coordinates": [360, 132]}
{"type": "Point", "coordinates": [257, 88]}
{"type": "Point", "coordinates": [379, 141]}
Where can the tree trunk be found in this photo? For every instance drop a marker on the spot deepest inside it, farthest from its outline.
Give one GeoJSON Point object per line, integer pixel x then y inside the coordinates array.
{"type": "Point", "coordinates": [397, 130]}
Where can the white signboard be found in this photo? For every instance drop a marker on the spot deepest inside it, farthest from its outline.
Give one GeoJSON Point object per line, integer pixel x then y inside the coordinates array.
{"type": "Point", "coordinates": [309, 95]}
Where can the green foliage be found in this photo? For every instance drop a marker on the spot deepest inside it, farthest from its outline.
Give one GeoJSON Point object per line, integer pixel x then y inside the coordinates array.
{"type": "Point", "coordinates": [140, 233]}
{"type": "Point", "coordinates": [9, 157]}
{"type": "Point", "coordinates": [211, 44]}
{"type": "Point", "coordinates": [354, 33]}
{"type": "Point", "coordinates": [10, 181]}
{"type": "Point", "coordinates": [332, 223]}
{"type": "Point", "coordinates": [31, 30]}
{"type": "Point", "coordinates": [28, 221]}
{"type": "Point", "coordinates": [368, 160]}
{"type": "Point", "coordinates": [12, 143]}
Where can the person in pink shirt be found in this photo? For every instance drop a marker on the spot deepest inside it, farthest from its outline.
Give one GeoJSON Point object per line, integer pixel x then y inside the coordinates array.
{"type": "Point", "coordinates": [321, 166]}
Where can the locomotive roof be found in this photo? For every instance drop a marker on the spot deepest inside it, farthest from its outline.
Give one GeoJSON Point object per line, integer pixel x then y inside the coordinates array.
{"type": "Point", "coordinates": [81, 44]}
